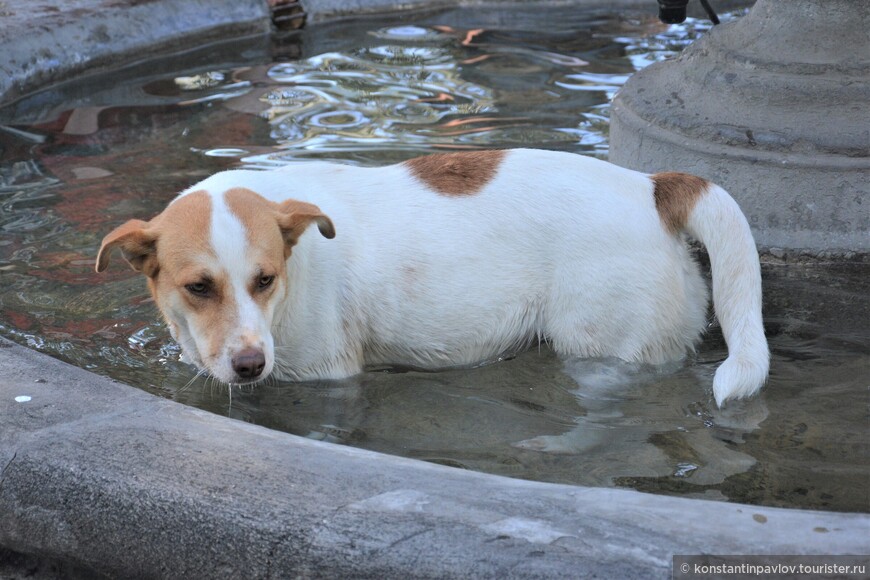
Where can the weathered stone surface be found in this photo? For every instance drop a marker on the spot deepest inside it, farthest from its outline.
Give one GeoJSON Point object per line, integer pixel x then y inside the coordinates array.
{"type": "Point", "coordinates": [44, 42]}
{"type": "Point", "coordinates": [774, 108]}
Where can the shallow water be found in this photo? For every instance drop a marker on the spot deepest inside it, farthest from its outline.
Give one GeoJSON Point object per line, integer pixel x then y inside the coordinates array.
{"type": "Point", "coordinates": [79, 159]}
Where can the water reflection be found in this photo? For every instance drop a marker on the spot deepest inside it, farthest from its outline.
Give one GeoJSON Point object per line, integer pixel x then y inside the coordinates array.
{"type": "Point", "coordinates": [369, 99]}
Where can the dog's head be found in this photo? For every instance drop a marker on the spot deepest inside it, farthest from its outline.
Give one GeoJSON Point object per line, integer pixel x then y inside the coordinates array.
{"type": "Point", "coordinates": [216, 266]}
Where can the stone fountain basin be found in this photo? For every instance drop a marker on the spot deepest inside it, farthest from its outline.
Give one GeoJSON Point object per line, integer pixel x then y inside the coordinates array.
{"type": "Point", "coordinates": [102, 478]}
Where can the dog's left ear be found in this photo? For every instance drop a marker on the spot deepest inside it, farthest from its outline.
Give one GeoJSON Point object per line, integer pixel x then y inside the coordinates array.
{"type": "Point", "coordinates": [295, 216]}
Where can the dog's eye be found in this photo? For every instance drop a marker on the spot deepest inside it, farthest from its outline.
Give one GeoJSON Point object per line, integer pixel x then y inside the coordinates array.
{"type": "Point", "coordinates": [197, 288]}
{"type": "Point", "coordinates": [264, 282]}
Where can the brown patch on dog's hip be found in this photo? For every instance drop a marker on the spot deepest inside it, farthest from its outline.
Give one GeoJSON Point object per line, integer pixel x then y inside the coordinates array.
{"type": "Point", "coordinates": [676, 195]}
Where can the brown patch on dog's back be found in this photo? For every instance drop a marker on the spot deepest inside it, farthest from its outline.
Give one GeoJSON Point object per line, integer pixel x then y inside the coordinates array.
{"type": "Point", "coordinates": [456, 174]}
{"type": "Point", "coordinates": [676, 195]}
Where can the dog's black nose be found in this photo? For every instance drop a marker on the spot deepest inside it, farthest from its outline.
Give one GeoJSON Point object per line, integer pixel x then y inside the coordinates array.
{"type": "Point", "coordinates": [249, 363]}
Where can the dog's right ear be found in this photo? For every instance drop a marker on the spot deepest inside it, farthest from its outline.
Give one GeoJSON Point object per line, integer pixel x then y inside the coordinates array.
{"type": "Point", "coordinates": [138, 244]}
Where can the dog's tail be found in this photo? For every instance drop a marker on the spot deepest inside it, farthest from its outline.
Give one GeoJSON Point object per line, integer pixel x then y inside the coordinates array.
{"type": "Point", "coordinates": [711, 216]}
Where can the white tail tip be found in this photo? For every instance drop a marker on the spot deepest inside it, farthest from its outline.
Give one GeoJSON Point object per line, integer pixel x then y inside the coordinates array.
{"type": "Point", "coordinates": [739, 377]}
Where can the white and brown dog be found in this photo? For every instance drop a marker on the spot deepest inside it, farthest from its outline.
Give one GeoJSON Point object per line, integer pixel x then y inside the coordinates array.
{"type": "Point", "coordinates": [447, 260]}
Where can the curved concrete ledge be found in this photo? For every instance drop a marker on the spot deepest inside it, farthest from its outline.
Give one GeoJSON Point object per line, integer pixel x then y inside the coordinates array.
{"type": "Point", "coordinates": [43, 42]}
{"type": "Point", "coordinates": [121, 483]}
{"type": "Point", "coordinates": [101, 478]}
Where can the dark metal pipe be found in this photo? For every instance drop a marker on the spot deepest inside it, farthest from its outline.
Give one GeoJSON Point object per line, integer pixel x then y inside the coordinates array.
{"type": "Point", "coordinates": [674, 11]}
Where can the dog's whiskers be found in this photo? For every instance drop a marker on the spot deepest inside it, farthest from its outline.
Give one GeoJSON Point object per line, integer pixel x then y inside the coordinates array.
{"type": "Point", "coordinates": [191, 381]}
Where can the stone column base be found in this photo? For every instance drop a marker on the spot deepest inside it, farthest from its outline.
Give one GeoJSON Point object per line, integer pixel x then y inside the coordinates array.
{"type": "Point", "coordinates": [773, 107]}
